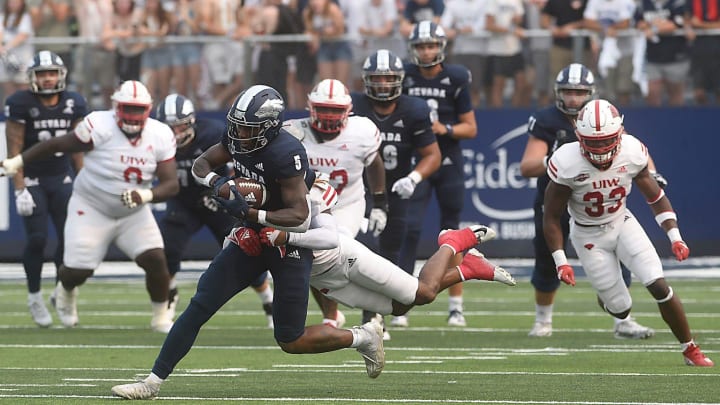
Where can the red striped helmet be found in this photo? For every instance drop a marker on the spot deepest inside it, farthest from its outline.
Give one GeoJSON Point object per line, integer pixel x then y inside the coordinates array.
{"type": "Point", "coordinates": [599, 128]}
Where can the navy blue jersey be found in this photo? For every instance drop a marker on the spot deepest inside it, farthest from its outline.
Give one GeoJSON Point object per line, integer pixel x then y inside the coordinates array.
{"type": "Point", "coordinates": [283, 157]}
{"type": "Point", "coordinates": [403, 131]}
{"type": "Point", "coordinates": [556, 129]}
{"type": "Point", "coordinates": [447, 94]}
{"type": "Point", "coordinates": [207, 133]}
{"type": "Point", "coordinates": [43, 123]}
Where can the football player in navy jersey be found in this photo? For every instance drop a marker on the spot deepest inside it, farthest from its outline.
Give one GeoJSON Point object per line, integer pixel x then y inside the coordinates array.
{"type": "Point", "coordinates": [42, 188]}
{"type": "Point", "coordinates": [548, 129]}
{"type": "Point", "coordinates": [193, 207]}
{"type": "Point", "coordinates": [259, 149]}
{"type": "Point", "coordinates": [446, 89]}
{"type": "Point", "coordinates": [406, 129]}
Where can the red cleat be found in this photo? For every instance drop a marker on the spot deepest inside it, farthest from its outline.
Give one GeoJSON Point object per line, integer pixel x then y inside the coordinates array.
{"type": "Point", "coordinates": [694, 357]}
{"type": "Point", "coordinates": [463, 239]}
{"type": "Point", "coordinates": [475, 267]}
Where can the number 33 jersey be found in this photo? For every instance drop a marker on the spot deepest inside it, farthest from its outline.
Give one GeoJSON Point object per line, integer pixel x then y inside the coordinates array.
{"type": "Point", "coordinates": [117, 163]}
{"type": "Point", "coordinates": [598, 196]}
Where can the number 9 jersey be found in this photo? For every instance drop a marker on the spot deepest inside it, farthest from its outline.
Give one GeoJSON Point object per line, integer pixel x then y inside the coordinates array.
{"type": "Point", "coordinates": [598, 196]}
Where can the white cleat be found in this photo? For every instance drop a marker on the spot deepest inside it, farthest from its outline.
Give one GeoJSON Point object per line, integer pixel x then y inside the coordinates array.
{"type": "Point", "coordinates": [456, 318]}
{"type": "Point", "coordinates": [340, 318]}
{"type": "Point", "coordinates": [380, 320]}
{"type": "Point", "coordinates": [139, 390]}
{"type": "Point", "coordinates": [65, 303]}
{"type": "Point", "coordinates": [38, 310]}
{"type": "Point", "coordinates": [503, 276]}
{"type": "Point", "coordinates": [373, 350]}
{"type": "Point", "coordinates": [541, 329]}
{"type": "Point", "coordinates": [629, 329]}
{"type": "Point", "coordinates": [400, 321]}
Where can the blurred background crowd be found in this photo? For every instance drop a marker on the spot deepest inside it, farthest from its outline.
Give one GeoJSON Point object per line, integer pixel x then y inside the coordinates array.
{"type": "Point", "coordinates": [644, 52]}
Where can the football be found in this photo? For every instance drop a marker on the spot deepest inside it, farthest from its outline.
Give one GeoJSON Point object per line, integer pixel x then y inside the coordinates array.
{"type": "Point", "coordinates": [254, 192]}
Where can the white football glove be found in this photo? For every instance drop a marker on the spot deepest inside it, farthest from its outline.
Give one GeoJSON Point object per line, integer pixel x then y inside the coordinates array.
{"type": "Point", "coordinates": [137, 196]}
{"type": "Point", "coordinates": [377, 221]}
{"type": "Point", "coordinates": [24, 202]}
{"type": "Point", "coordinates": [12, 165]}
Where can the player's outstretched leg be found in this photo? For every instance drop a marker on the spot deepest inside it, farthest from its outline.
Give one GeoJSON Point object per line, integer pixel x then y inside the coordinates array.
{"type": "Point", "coordinates": [463, 239]}
{"type": "Point", "coordinates": [475, 267]}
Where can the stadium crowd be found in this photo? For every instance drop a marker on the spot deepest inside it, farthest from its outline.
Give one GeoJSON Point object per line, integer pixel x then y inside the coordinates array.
{"type": "Point", "coordinates": [646, 53]}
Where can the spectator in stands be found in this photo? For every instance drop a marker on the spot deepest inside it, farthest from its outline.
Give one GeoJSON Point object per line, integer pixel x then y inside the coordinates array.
{"type": "Point", "coordinates": [15, 49]}
{"type": "Point", "coordinates": [121, 33]}
{"type": "Point", "coordinates": [462, 19]}
{"type": "Point", "coordinates": [503, 20]}
{"type": "Point", "coordinates": [157, 58]}
{"type": "Point", "coordinates": [225, 59]}
{"type": "Point", "coordinates": [325, 21]}
{"type": "Point", "coordinates": [51, 20]}
{"type": "Point", "coordinates": [186, 57]}
{"type": "Point", "coordinates": [667, 56]}
{"type": "Point", "coordinates": [562, 18]}
{"type": "Point", "coordinates": [372, 22]}
{"type": "Point", "coordinates": [608, 18]}
{"type": "Point", "coordinates": [275, 18]}
{"type": "Point", "coordinates": [537, 66]}
{"type": "Point", "coordinates": [93, 58]}
{"type": "Point", "coordinates": [420, 10]}
{"type": "Point", "coordinates": [704, 62]}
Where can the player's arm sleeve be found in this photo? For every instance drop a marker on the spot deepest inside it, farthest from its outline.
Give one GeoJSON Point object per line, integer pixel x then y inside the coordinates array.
{"type": "Point", "coordinates": [322, 235]}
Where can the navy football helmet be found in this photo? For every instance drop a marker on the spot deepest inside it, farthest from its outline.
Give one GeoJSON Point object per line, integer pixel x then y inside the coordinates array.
{"type": "Point", "coordinates": [254, 119]}
{"type": "Point", "coordinates": [45, 61]}
{"type": "Point", "coordinates": [427, 32]}
{"type": "Point", "coordinates": [383, 74]}
{"type": "Point", "coordinates": [578, 79]}
{"type": "Point", "coordinates": [178, 113]}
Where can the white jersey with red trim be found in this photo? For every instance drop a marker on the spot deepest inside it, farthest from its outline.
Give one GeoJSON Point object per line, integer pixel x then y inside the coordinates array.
{"type": "Point", "coordinates": [598, 196]}
{"type": "Point", "coordinates": [343, 158]}
{"type": "Point", "coordinates": [116, 163]}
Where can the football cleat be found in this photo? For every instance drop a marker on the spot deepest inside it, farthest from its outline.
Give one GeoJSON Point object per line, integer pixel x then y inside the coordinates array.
{"type": "Point", "coordinates": [463, 239]}
{"type": "Point", "coordinates": [65, 303]}
{"type": "Point", "coordinates": [456, 318]}
{"type": "Point", "coordinates": [694, 357]}
{"type": "Point", "coordinates": [139, 390]}
{"type": "Point", "coordinates": [38, 310]}
{"type": "Point", "coordinates": [541, 329]}
{"type": "Point", "coordinates": [372, 350]}
{"type": "Point", "coordinates": [629, 329]}
{"type": "Point", "coordinates": [380, 320]}
{"type": "Point", "coordinates": [475, 267]}
{"type": "Point", "coordinates": [400, 321]}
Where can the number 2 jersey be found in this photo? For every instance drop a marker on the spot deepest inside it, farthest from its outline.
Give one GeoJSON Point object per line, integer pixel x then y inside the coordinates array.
{"type": "Point", "coordinates": [43, 123]}
{"type": "Point", "coordinates": [598, 196]}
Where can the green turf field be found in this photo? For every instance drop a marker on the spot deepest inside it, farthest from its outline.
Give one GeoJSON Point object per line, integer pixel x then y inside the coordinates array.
{"type": "Point", "coordinates": [491, 361]}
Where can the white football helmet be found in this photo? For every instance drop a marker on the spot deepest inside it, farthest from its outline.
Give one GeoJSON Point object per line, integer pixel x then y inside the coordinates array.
{"type": "Point", "coordinates": [132, 104]}
{"type": "Point", "coordinates": [599, 128]}
{"type": "Point", "coordinates": [330, 105]}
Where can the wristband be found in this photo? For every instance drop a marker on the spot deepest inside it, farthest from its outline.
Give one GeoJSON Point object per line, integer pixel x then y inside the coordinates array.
{"type": "Point", "coordinates": [674, 235]}
{"type": "Point", "coordinates": [415, 177]}
{"type": "Point", "coordinates": [380, 200]}
{"type": "Point", "coordinates": [146, 195]}
{"type": "Point", "coordinates": [559, 257]}
{"type": "Point", "coordinates": [450, 130]}
{"type": "Point", "coordinates": [205, 181]}
{"type": "Point", "coordinates": [262, 217]}
{"type": "Point", "coordinates": [664, 216]}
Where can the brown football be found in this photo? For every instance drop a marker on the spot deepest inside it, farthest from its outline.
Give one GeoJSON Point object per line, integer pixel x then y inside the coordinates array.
{"type": "Point", "coordinates": [254, 192]}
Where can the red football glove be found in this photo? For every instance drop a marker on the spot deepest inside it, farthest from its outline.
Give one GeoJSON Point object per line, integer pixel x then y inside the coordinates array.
{"type": "Point", "coordinates": [566, 274]}
{"type": "Point", "coordinates": [272, 237]}
{"type": "Point", "coordinates": [247, 239]}
{"type": "Point", "coordinates": [680, 250]}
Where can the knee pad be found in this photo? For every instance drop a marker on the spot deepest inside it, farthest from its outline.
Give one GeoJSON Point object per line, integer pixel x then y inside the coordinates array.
{"type": "Point", "coordinates": [616, 300]}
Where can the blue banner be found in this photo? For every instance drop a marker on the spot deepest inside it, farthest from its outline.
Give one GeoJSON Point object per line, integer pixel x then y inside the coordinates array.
{"type": "Point", "coordinates": [682, 141]}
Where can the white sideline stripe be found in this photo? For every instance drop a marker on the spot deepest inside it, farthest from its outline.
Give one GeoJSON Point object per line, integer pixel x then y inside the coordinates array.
{"type": "Point", "coordinates": [362, 400]}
